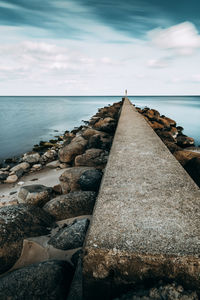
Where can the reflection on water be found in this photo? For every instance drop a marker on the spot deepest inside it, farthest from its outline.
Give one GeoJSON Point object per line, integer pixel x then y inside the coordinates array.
{"type": "Point", "coordinates": [24, 121]}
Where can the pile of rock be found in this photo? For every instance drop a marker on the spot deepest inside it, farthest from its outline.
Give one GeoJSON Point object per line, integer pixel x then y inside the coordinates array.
{"type": "Point", "coordinates": [41, 237]}
{"type": "Point", "coordinates": [179, 144]}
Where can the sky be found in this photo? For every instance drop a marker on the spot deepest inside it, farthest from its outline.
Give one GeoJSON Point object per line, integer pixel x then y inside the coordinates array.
{"type": "Point", "coordinates": [99, 47]}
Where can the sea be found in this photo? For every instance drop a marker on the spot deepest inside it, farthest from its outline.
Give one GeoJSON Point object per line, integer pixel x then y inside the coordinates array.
{"type": "Point", "coordinates": [25, 121]}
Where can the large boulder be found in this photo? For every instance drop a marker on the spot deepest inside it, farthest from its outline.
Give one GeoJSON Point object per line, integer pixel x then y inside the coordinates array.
{"type": "Point", "coordinates": [90, 180]}
{"type": "Point", "coordinates": [71, 236]}
{"type": "Point", "coordinates": [89, 132]}
{"type": "Point", "coordinates": [24, 166]}
{"type": "Point", "coordinates": [184, 156]}
{"type": "Point", "coordinates": [156, 126]}
{"type": "Point", "coordinates": [71, 205]}
{"type": "Point", "coordinates": [69, 179]}
{"type": "Point", "coordinates": [16, 223]}
{"type": "Point", "coordinates": [92, 158]}
{"type": "Point", "coordinates": [108, 125]}
{"type": "Point", "coordinates": [70, 151]}
{"type": "Point", "coordinates": [31, 157]}
{"type": "Point", "coordinates": [35, 194]}
{"type": "Point", "coordinates": [44, 280]}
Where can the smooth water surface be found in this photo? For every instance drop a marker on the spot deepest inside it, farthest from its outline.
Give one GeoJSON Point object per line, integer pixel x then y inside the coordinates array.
{"type": "Point", "coordinates": [24, 121]}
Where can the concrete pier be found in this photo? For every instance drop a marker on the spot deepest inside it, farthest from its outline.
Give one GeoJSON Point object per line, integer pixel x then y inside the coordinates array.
{"type": "Point", "coordinates": [146, 222]}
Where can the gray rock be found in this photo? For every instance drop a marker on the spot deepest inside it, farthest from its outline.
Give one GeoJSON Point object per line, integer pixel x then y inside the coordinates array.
{"type": "Point", "coordinates": [24, 166]}
{"type": "Point", "coordinates": [106, 124]}
{"type": "Point", "coordinates": [31, 158]}
{"type": "Point", "coordinates": [90, 180]}
{"type": "Point", "coordinates": [54, 164]}
{"type": "Point", "coordinates": [16, 223]}
{"type": "Point", "coordinates": [70, 151]}
{"type": "Point", "coordinates": [71, 205]}
{"type": "Point", "coordinates": [76, 290]}
{"type": "Point", "coordinates": [92, 158]}
{"type": "Point", "coordinates": [70, 237]}
{"type": "Point", "coordinates": [34, 194]}
{"type": "Point", "coordinates": [69, 179]}
{"type": "Point", "coordinates": [76, 256]}
{"type": "Point", "coordinates": [47, 280]}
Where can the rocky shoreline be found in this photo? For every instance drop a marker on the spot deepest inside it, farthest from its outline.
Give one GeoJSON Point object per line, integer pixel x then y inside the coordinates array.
{"type": "Point", "coordinates": [43, 229]}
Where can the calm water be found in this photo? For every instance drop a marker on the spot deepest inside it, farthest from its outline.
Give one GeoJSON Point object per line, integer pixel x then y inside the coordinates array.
{"type": "Point", "coordinates": [24, 121]}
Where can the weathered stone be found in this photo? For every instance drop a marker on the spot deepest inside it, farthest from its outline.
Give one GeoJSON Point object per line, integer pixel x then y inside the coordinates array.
{"type": "Point", "coordinates": [44, 280]}
{"type": "Point", "coordinates": [108, 125]}
{"type": "Point", "coordinates": [71, 236]}
{"type": "Point", "coordinates": [11, 179]}
{"type": "Point", "coordinates": [24, 166]}
{"type": "Point", "coordinates": [70, 151]}
{"type": "Point", "coordinates": [31, 158]}
{"type": "Point", "coordinates": [49, 155]}
{"type": "Point", "coordinates": [36, 167]}
{"type": "Point", "coordinates": [90, 180]}
{"type": "Point", "coordinates": [152, 114]}
{"type": "Point", "coordinates": [165, 136]}
{"type": "Point", "coordinates": [57, 189]}
{"type": "Point", "coordinates": [174, 132]}
{"type": "Point", "coordinates": [71, 205]}
{"type": "Point", "coordinates": [92, 158]}
{"type": "Point", "coordinates": [76, 290]}
{"type": "Point", "coordinates": [184, 156]}
{"type": "Point", "coordinates": [184, 141]}
{"type": "Point", "coordinates": [89, 132]}
{"type": "Point", "coordinates": [16, 223]}
{"type": "Point", "coordinates": [34, 194]}
{"type": "Point", "coordinates": [76, 256]}
{"type": "Point", "coordinates": [69, 179]}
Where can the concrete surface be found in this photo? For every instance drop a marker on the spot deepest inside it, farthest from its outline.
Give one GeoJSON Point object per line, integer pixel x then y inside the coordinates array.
{"type": "Point", "coordinates": [146, 222]}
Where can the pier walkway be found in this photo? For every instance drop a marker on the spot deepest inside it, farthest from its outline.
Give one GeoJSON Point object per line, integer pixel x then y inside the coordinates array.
{"type": "Point", "coordinates": [146, 222]}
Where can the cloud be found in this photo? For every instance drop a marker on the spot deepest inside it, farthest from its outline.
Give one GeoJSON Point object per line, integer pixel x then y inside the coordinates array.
{"type": "Point", "coordinates": [157, 63]}
{"type": "Point", "coordinates": [181, 39]}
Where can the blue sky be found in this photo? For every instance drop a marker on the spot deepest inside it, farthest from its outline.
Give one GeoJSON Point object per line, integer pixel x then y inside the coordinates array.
{"type": "Point", "coordinates": [92, 47]}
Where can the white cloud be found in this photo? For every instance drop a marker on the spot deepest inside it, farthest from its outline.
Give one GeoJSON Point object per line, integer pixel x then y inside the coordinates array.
{"type": "Point", "coordinates": [181, 39]}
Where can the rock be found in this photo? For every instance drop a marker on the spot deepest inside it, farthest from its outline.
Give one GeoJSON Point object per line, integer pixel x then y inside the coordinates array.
{"type": "Point", "coordinates": [165, 136]}
{"type": "Point", "coordinates": [49, 155]}
{"type": "Point", "coordinates": [89, 132]}
{"type": "Point", "coordinates": [108, 125]}
{"type": "Point", "coordinates": [184, 141]}
{"type": "Point", "coordinates": [71, 236]}
{"type": "Point", "coordinates": [19, 173]}
{"type": "Point", "coordinates": [24, 166]}
{"type": "Point", "coordinates": [31, 157]}
{"type": "Point", "coordinates": [169, 292]}
{"type": "Point", "coordinates": [69, 179]}
{"type": "Point", "coordinates": [11, 179]}
{"type": "Point", "coordinates": [34, 194]}
{"type": "Point", "coordinates": [92, 158]}
{"type": "Point", "coordinates": [95, 141]}
{"type": "Point", "coordinates": [16, 223]}
{"type": "Point", "coordinates": [155, 125]}
{"type": "Point", "coordinates": [54, 164]}
{"type": "Point", "coordinates": [152, 114]}
{"type": "Point", "coordinates": [57, 189]}
{"type": "Point", "coordinates": [45, 280]}
{"type": "Point", "coordinates": [90, 180]}
{"type": "Point", "coordinates": [76, 289]}
{"type": "Point", "coordinates": [170, 121]}
{"type": "Point", "coordinates": [36, 167]}
{"type": "Point", "coordinates": [193, 169]}
{"type": "Point", "coordinates": [184, 156]}
{"type": "Point", "coordinates": [70, 151]}
{"type": "Point", "coordinates": [71, 205]}
{"type": "Point", "coordinates": [164, 122]}
{"type": "Point", "coordinates": [180, 129]}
